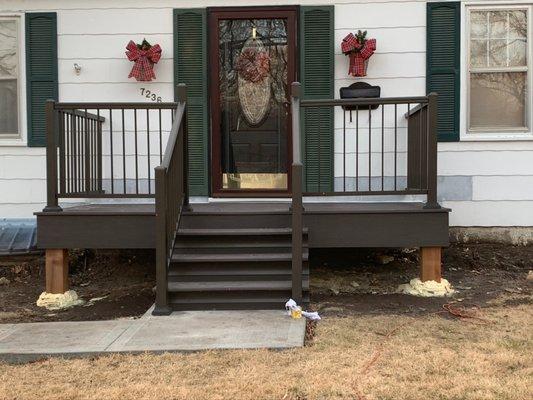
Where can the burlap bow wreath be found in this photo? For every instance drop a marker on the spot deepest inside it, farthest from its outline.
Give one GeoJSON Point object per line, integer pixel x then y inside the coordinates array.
{"type": "Point", "coordinates": [144, 57]}
{"type": "Point", "coordinates": [358, 53]}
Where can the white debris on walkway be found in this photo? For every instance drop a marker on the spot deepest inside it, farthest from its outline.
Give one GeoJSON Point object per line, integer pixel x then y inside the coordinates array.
{"type": "Point", "coordinates": [59, 301]}
{"type": "Point", "coordinates": [427, 289]}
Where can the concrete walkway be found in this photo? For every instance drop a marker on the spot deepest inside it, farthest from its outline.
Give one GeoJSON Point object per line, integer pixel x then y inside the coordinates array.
{"type": "Point", "coordinates": [181, 331]}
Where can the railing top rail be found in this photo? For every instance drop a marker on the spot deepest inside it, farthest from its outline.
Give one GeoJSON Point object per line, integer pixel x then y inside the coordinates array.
{"type": "Point", "coordinates": [363, 101]}
{"type": "Point", "coordinates": [173, 137]}
{"type": "Point", "coordinates": [414, 110]}
{"type": "Point", "coordinates": [115, 106]}
{"type": "Point", "coordinates": [83, 114]}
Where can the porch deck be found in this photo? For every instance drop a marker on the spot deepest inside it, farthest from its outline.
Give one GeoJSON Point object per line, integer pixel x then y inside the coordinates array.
{"type": "Point", "coordinates": [330, 224]}
{"type": "Point", "coordinates": [235, 254]}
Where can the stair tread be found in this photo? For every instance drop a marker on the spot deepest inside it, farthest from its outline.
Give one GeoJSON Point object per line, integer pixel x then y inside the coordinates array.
{"type": "Point", "coordinates": [236, 231]}
{"type": "Point", "coordinates": [273, 299]}
{"type": "Point", "coordinates": [236, 257]}
{"type": "Point", "coordinates": [224, 286]}
{"type": "Point", "coordinates": [221, 271]}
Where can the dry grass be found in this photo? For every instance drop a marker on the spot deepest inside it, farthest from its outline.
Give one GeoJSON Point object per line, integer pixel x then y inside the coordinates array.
{"type": "Point", "coordinates": [426, 358]}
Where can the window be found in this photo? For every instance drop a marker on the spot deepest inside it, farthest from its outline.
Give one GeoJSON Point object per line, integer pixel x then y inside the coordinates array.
{"type": "Point", "coordinates": [498, 69]}
{"type": "Point", "coordinates": [9, 77]}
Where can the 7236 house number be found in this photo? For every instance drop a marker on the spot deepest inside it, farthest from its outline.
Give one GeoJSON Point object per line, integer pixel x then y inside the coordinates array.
{"type": "Point", "coordinates": [150, 95]}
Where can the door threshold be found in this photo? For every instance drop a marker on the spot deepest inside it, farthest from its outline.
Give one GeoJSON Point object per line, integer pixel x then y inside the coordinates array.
{"type": "Point", "coordinates": [249, 200]}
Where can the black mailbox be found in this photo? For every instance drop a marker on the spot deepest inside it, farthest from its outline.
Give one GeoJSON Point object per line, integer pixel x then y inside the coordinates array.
{"type": "Point", "coordinates": [360, 90]}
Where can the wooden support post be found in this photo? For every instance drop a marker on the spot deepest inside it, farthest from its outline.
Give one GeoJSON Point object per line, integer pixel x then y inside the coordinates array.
{"type": "Point", "coordinates": [56, 271]}
{"type": "Point", "coordinates": [430, 264]}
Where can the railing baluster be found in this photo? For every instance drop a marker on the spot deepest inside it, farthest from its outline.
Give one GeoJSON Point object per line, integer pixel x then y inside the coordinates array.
{"type": "Point", "coordinates": [136, 152]}
{"type": "Point", "coordinates": [343, 150]}
{"type": "Point", "coordinates": [87, 154]}
{"type": "Point", "coordinates": [395, 144]}
{"type": "Point", "coordinates": [111, 157]}
{"type": "Point", "coordinates": [148, 147]}
{"type": "Point", "coordinates": [369, 148]}
{"type": "Point", "coordinates": [123, 154]}
{"type": "Point", "coordinates": [79, 133]}
{"type": "Point", "coordinates": [62, 140]}
{"type": "Point", "coordinates": [160, 139]}
{"type": "Point", "coordinates": [383, 147]}
{"type": "Point", "coordinates": [67, 152]}
{"type": "Point", "coordinates": [99, 146]}
{"type": "Point", "coordinates": [356, 148]}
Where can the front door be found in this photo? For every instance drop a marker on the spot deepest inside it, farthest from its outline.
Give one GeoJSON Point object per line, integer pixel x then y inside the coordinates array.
{"type": "Point", "coordinates": [252, 64]}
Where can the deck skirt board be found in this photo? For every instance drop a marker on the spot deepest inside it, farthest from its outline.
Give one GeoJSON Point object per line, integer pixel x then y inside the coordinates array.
{"type": "Point", "coordinates": [329, 224]}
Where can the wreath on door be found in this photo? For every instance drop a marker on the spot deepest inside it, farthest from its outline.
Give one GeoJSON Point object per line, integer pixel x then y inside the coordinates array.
{"type": "Point", "coordinates": [253, 65]}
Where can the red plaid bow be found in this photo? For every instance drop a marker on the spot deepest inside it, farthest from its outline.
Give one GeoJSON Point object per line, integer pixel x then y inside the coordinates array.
{"type": "Point", "coordinates": [143, 69]}
{"type": "Point", "coordinates": [358, 54]}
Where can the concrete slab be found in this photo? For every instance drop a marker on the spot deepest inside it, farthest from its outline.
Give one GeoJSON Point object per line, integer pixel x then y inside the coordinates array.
{"type": "Point", "coordinates": [181, 331]}
{"type": "Point", "coordinates": [198, 330]}
{"type": "Point", "coordinates": [63, 337]}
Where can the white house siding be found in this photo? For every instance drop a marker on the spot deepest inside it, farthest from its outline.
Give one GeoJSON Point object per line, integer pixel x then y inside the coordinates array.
{"type": "Point", "coordinates": [485, 183]}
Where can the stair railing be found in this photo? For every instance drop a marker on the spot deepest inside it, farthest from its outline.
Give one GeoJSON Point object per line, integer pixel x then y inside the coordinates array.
{"type": "Point", "coordinates": [171, 197]}
{"type": "Point", "coordinates": [297, 201]}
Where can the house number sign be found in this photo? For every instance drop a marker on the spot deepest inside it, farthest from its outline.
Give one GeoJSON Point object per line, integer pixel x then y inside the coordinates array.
{"type": "Point", "coordinates": [150, 95]}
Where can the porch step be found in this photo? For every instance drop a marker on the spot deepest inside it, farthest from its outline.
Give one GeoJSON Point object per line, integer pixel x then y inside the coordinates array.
{"type": "Point", "coordinates": [234, 268]}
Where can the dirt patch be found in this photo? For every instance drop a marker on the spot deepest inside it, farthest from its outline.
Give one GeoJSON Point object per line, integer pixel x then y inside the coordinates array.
{"type": "Point", "coordinates": [119, 282]}
{"type": "Point", "coordinates": [359, 282]}
{"type": "Point", "coordinates": [345, 282]}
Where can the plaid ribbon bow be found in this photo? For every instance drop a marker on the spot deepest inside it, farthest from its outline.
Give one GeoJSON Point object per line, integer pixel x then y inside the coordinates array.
{"type": "Point", "coordinates": [143, 69]}
{"type": "Point", "coordinates": [358, 54]}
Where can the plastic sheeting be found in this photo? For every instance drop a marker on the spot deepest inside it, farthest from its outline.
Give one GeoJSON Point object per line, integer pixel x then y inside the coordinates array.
{"type": "Point", "coordinates": [17, 236]}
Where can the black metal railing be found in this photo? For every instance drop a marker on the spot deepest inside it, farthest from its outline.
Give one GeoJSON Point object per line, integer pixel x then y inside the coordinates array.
{"type": "Point", "coordinates": [171, 190]}
{"type": "Point", "coordinates": [388, 146]}
{"type": "Point", "coordinates": [377, 150]}
{"type": "Point", "coordinates": [104, 150]}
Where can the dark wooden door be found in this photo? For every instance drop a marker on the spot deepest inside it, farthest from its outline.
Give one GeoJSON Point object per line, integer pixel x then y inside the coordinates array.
{"type": "Point", "coordinates": [252, 64]}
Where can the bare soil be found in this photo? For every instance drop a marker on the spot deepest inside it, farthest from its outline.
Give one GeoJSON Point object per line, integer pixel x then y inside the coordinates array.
{"type": "Point", "coordinates": [343, 283]}
{"type": "Point", "coordinates": [359, 283]}
{"type": "Point", "coordinates": [123, 281]}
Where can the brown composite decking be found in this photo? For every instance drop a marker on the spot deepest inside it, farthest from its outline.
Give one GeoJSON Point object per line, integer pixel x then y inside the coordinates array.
{"type": "Point", "coordinates": [330, 224]}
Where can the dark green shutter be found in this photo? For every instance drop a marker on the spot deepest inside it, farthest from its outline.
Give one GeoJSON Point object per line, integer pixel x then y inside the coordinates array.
{"type": "Point", "coordinates": [443, 64]}
{"type": "Point", "coordinates": [41, 72]}
{"type": "Point", "coordinates": [190, 67]}
{"type": "Point", "coordinates": [317, 79]}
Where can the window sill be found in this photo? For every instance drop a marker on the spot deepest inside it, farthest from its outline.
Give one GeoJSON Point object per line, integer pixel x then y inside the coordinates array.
{"type": "Point", "coordinates": [12, 142]}
{"type": "Point", "coordinates": [496, 137]}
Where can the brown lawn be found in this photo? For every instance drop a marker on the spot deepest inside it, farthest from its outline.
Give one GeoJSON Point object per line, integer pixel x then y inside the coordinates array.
{"type": "Point", "coordinates": [432, 356]}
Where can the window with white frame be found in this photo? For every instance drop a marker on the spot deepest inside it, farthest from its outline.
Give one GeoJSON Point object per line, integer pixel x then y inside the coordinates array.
{"type": "Point", "coordinates": [9, 77]}
{"type": "Point", "coordinates": [499, 69]}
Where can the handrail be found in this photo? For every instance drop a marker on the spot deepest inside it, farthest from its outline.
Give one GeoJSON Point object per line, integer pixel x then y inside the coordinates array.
{"type": "Point", "coordinates": [171, 197]}
{"type": "Point", "coordinates": [116, 105]}
{"type": "Point", "coordinates": [79, 113]}
{"type": "Point", "coordinates": [171, 144]}
{"type": "Point", "coordinates": [363, 101]}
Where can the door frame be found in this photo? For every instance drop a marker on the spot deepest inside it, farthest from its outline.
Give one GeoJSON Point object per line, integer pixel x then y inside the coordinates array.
{"type": "Point", "coordinates": [291, 13]}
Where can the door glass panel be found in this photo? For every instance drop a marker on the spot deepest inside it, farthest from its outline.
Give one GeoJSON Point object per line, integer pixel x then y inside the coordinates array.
{"type": "Point", "coordinates": [253, 57]}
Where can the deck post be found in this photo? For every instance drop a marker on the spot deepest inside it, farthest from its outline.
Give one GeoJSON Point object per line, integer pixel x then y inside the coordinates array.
{"type": "Point", "coordinates": [297, 201]}
{"type": "Point", "coordinates": [161, 297]}
{"type": "Point", "coordinates": [181, 91]}
{"type": "Point", "coordinates": [51, 158]}
{"type": "Point", "coordinates": [430, 264]}
{"type": "Point", "coordinates": [56, 271]}
{"type": "Point", "coordinates": [432, 152]}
